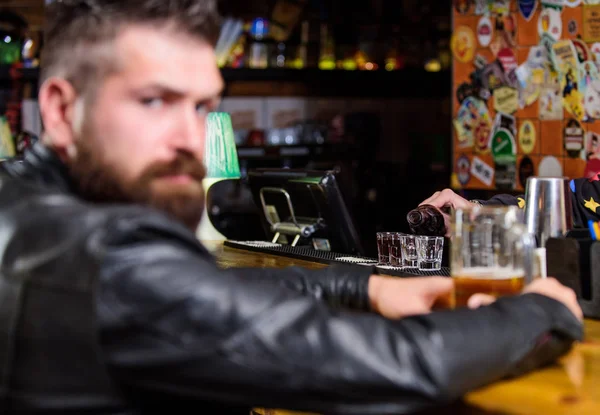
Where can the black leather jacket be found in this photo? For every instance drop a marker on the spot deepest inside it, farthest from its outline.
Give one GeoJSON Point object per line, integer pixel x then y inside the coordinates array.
{"type": "Point", "coordinates": [120, 310]}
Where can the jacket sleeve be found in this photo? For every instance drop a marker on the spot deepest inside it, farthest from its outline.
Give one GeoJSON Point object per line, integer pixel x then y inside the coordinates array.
{"type": "Point", "coordinates": [339, 286]}
{"type": "Point", "coordinates": [172, 324]}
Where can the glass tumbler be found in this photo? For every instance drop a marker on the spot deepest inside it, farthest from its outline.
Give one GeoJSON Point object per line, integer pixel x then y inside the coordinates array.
{"type": "Point", "coordinates": [429, 252]}
{"type": "Point", "coordinates": [408, 248]}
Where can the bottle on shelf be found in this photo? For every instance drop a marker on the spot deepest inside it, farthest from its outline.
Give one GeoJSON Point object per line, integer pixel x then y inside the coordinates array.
{"type": "Point", "coordinates": [259, 52]}
{"type": "Point", "coordinates": [286, 15]}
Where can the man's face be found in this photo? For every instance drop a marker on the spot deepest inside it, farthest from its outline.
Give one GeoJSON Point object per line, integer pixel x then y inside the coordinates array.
{"type": "Point", "coordinates": [142, 138]}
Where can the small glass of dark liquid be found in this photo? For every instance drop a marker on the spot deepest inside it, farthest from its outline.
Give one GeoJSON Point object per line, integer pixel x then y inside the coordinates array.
{"type": "Point", "coordinates": [396, 249]}
{"type": "Point", "coordinates": [384, 240]}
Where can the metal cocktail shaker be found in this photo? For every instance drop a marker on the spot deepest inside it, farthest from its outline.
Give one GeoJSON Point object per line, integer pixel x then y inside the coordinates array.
{"type": "Point", "coordinates": [548, 208]}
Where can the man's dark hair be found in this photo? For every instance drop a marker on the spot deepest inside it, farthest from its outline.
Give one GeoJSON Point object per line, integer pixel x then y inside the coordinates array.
{"type": "Point", "coordinates": [79, 34]}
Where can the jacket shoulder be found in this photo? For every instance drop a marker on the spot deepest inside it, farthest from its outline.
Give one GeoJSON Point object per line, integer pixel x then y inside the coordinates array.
{"type": "Point", "coordinates": [44, 229]}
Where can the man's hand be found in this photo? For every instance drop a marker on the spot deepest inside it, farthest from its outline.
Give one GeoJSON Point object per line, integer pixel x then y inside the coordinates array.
{"type": "Point", "coordinates": [447, 198]}
{"type": "Point", "coordinates": [400, 297]}
{"type": "Point", "coordinates": [549, 287]}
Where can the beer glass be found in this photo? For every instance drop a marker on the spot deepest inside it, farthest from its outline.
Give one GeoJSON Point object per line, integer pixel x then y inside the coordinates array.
{"type": "Point", "coordinates": [491, 252]}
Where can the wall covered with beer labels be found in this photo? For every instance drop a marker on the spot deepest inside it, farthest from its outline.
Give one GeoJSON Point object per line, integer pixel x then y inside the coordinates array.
{"type": "Point", "coordinates": [526, 89]}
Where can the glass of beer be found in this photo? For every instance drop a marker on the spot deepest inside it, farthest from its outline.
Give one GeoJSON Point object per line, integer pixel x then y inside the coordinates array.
{"type": "Point", "coordinates": [491, 252]}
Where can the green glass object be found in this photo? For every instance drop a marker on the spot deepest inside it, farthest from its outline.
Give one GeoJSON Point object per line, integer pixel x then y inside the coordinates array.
{"type": "Point", "coordinates": [220, 155]}
{"type": "Point", "coordinates": [10, 51]}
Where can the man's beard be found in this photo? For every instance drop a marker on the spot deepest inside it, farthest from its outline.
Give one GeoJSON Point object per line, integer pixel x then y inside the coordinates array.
{"type": "Point", "coordinates": [99, 182]}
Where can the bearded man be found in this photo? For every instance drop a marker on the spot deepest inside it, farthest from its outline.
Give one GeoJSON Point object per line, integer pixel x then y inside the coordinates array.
{"type": "Point", "coordinates": [110, 305]}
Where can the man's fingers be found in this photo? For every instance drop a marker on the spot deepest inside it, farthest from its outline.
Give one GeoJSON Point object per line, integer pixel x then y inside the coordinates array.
{"type": "Point", "coordinates": [438, 291]}
{"type": "Point", "coordinates": [447, 197]}
{"type": "Point", "coordinates": [443, 198]}
{"type": "Point", "coordinates": [428, 200]}
{"type": "Point", "coordinates": [478, 300]}
{"type": "Point", "coordinates": [439, 285]}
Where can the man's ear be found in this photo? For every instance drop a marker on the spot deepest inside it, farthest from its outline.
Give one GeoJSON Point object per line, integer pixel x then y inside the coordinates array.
{"type": "Point", "coordinates": [58, 102]}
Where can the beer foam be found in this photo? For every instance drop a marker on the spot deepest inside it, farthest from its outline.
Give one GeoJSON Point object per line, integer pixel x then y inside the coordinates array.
{"type": "Point", "coordinates": [491, 273]}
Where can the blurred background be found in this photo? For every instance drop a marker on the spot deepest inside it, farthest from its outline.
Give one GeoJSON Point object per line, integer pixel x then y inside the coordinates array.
{"type": "Point", "coordinates": [361, 88]}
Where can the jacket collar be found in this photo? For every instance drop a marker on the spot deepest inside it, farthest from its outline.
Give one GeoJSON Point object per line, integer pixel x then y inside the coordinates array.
{"type": "Point", "coordinates": [41, 165]}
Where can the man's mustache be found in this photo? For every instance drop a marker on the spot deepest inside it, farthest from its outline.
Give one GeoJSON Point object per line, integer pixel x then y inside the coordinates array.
{"type": "Point", "coordinates": [180, 166]}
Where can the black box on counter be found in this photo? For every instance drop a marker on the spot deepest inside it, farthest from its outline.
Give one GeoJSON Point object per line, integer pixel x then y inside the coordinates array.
{"type": "Point", "coordinates": [575, 261]}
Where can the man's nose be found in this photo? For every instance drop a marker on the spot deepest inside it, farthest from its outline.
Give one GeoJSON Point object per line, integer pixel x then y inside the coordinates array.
{"type": "Point", "coordinates": [191, 131]}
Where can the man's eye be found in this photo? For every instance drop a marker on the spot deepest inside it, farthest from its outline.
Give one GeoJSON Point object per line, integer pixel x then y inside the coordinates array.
{"type": "Point", "coordinates": [202, 109]}
{"type": "Point", "coordinates": [152, 102]}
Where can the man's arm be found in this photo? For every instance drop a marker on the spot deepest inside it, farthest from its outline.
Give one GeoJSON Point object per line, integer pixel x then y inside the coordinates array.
{"type": "Point", "coordinates": [340, 286]}
{"type": "Point", "coordinates": [172, 324]}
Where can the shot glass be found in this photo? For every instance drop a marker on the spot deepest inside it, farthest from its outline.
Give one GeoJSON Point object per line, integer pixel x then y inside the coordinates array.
{"type": "Point", "coordinates": [408, 249]}
{"type": "Point", "coordinates": [396, 250]}
{"type": "Point", "coordinates": [429, 252]}
{"type": "Point", "coordinates": [383, 247]}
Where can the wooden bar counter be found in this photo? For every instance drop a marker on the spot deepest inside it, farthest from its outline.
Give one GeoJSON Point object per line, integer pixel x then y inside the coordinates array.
{"type": "Point", "coordinates": [571, 386]}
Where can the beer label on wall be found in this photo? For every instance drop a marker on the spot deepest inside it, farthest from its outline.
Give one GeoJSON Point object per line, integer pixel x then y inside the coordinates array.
{"type": "Point", "coordinates": [492, 76]}
{"type": "Point", "coordinates": [547, 43]}
{"type": "Point", "coordinates": [482, 7]}
{"type": "Point", "coordinates": [505, 33]}
{"type": "Point", "coordinates": [527, 136]}
{"type": "Point", "coordinates": [462, 44]}
{"type": "Point", "coordinates": [482, 138]}
{"type": "Point", "coordinates": [536, 58]}
{"type": "Point", "coordinates": [595, 50]}
{"type": "Point", "coordinates": [588, 85]}
{"type": "Point", "coordinates": [506, 100]}
{"type": "Point", "coordinates": [482, 171]}
{"type": "Point", "coordinates": [500, 7]}
{"type": "Point", "coordinates": [471, 115]}
{"type": "Point", "coordinates": [572, 27]}
{"type": "Point", "coordinates": [463, 91]}
{"type": "Point", "coordinates": [591, 23]}
{"type": "Point", "coordinates": [485, 31]}
{"type": "Point", "coordinates": [592, 99]}
{"type": "Point", "coordinates": [505, 121]}
{"type": "Point", "coordinates": [508, 60]}
{"type": "Point", "coordinates": [506, 175]}
{"type": "Point", "coordinates": [463, 6]}
{"type": "Point", "coordinates": [550, 23]}
{"type": "Point", "coordinates": [574, 138]}
{"type": "Point", "coordinates": [503, 146]}
{"type": "Point", "coordinates": [527, 8]}
{"type": "Point", "coordinates": [553, 4]}
{"type": "Point", "coordinates": [526, 170]}
{"type": "Point", "coordinates": [568, 68]}
{"type": "Point", "coordinates": [550, 101]}
{"type": "Point", "coordinates": [581, 49]}
{"type": "Point", "coordinates": [592, 155]}
{"type": "Point", "coordinates": [529, 90]}
{"type": "Point", "coordinates": [550, 166]}
{"type": "Point", "coordinates": [463, 170]}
